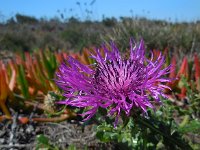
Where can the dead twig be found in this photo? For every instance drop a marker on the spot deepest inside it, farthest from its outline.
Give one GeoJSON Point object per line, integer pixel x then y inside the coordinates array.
{"type": "Point", "coordinates": [16, 146]}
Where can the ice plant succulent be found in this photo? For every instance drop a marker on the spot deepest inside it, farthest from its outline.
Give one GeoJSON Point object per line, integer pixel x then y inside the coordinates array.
{"type": "Point", "coordinates": [115, 83]}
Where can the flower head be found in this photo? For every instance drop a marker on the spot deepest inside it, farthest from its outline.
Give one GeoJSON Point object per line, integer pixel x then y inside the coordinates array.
{"type": "Point", "coordinates": [115, 83]}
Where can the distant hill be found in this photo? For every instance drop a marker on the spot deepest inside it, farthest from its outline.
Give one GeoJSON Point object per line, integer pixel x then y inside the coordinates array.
{"type": "Point", "coordinates": [26, 33]}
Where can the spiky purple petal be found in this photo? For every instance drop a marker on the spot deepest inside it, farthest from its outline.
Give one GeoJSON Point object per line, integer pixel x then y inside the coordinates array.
{"type": "Point", "coordinates": [116, 83]}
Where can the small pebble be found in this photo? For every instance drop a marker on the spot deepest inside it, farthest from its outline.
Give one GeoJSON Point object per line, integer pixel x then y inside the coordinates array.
{"type": "Point", "coordinates": [2, 133]}
{"type": "Point", "coordinates": [21, 130]}
{"type": "Point", "coordinates": [2, 140]}
{"type": "Point", "coordinates": [29, 129]}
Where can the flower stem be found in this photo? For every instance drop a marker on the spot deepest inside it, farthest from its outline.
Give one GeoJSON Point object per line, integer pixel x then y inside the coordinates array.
{"type": "Point", "coordinates": [174, 140]}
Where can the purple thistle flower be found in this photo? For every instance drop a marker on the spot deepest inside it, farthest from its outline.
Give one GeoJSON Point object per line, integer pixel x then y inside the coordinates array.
{"type": "Point", "coordinates": [115, 83]}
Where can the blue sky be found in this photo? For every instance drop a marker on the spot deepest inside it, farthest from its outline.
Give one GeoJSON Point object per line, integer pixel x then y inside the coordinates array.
{"type": "Point", "coordinates": [177, 10]}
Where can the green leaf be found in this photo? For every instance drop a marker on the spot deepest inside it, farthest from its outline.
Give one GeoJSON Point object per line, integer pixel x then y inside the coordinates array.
{"type": "Point", "coordinates": [49, 64]}
{"type": "Point", "coordinates": [23, 82]}
{"type": "Point", "coordinates": [71, 147]}
{"type": "Point", "coordinates": [193, 126]}
{"type": "Point", "coordinates": [99, 135]}
{"type": "Point", "coordinates": [42, 139]}
{"type": "Point", "coordinates": [43, 143]}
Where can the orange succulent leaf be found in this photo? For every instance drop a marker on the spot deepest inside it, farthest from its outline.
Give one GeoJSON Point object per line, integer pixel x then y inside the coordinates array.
{"type": "Point", "coordinates": [32, 78]}
{"type": "Point", "coordinates": [183, 93]}
{"type": "Point", "coordinates": [156, 53]}
{"type": "Point", "coordinates": [61, 56]}
{"type": "Point", "coordinates": [23, 120]}
{"type": "Point", "coordinates": [35, 85]}
{"type": "Point", "coordinates": [2, 118]}
{"type": "Point", "coordinates": [85, 56]}
{"type": "Point", "coordinates": [173, 68]}
{"type": "Point", "coordinates": [13, 76]}
{"type": "Point", "coordinates": [183, 73]}
{"type": "Point", "coordinates": [39, 66]}
{"type": "Point", "coordinates": [167, 57]}
{"type": "Point", "coordinates": [184, 68]}
{"type": "Point", "coordinates": [4, 90]}
{"type": "Point", "coordinates": [166, 51]}
{"type": "Point", "coordinates": [65, 55]}
{"type": "Point", "coordinates": [35, 82]}
{"type": "Point", "coordinates": [32, 91]}
{"type": "Point", "coordinates": [74, 55]}
{"type": "Point", "coordinates": [198, 84]}
{"type": "Point", "coordinates": [18, 59]}
{"type": "Point", "coordinates": [197, 71]}
{"type": "Point", "coordinates": [172, 75]}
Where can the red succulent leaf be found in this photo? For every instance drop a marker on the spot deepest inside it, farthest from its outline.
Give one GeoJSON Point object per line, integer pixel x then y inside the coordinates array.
{"type": "Point", "coordinates": [4, 89]}
{"type": "Point", "coordinates": [156, 54]}
{"type": "Point", "coordinates": [173, 68]}
{"type": "Point", "coordinates": [184, 68]}
{"type": "Point", "coordinates": [23, 120]}
{"type": "Point", "coordinates": [197, 71]}
{"type": "Point", "coordinates": [172, 74]}
{"type": "Point", "coordinates": [183, 93]}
